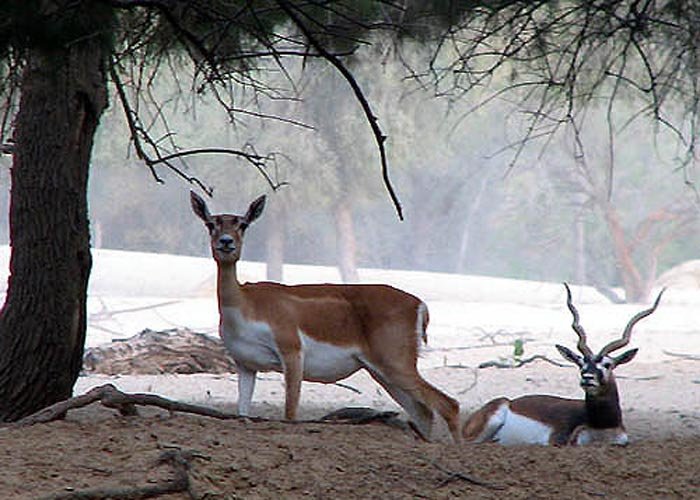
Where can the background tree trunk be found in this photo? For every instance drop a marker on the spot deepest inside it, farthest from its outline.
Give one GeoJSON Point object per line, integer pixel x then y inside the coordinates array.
{"type": "Point", "coordinates": [43, 321]}
{"type": "Point", "coordinates": [636, 289]}
{"type": "Point", "coordinates": [346, 244]}
{"type": "Point", "coordinates": [275, 239]}
{"type": "Point", "coordinates": [463, 256]}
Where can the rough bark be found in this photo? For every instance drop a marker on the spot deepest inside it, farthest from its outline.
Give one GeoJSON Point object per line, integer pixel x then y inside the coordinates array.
{"type": "Point", "coordinates": [42, 324]}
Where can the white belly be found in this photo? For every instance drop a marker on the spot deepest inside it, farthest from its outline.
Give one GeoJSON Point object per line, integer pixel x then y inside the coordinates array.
{"type": "Point", "coordinates": [518, 430]}
{"type": "Point", "coordinates": [326, 362]}
{"type": "Point", "coordinates": [250, 343]}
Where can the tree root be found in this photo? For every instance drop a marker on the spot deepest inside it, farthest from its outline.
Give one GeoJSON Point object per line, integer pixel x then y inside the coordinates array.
{"type": "Point", "coordinates": [126, 404]}
{"type": "Point", "coordinates": [178, 459]}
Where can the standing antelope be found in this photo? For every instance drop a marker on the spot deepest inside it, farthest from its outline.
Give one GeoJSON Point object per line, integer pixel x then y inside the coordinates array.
{"type": "Point", "coordinates": [551, 420]}
{"type": "Point", "coordinates": [321, 333]}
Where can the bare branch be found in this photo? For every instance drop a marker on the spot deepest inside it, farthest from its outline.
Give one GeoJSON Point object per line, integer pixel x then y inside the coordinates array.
{"type": "Point", "coordinates": [583, 54]}
{"type": "Point", "coordinates": [380, 138]}
{"type": "Point", "coordinates": [683, 355]}
{"type": "Point", "coordinates": [517, 363]}
{"type": "Point", "coordinates": [454, 475]}
{"type": "Point", "coordinates": [141, 139]}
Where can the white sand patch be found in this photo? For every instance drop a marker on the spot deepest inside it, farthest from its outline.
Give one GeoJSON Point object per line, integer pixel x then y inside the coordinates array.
{"type": "Point", "coordinates": [131, 291]}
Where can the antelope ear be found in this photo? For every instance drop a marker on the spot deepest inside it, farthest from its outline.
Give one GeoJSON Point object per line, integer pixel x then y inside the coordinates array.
{"type": "Point", "coordinates": [569, 355]}
{"type": "Point", "coordinates": [625, 357]}
{"type": "Point", "coordinates": [255, 210]}
{"type": "Point", "coordinates": [199, 207]}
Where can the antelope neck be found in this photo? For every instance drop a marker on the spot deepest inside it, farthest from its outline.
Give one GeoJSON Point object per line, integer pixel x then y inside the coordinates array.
{"type": "Point", "coordinates": [603, 411]}
{"type": "Point", "coordinates": [228, 287]}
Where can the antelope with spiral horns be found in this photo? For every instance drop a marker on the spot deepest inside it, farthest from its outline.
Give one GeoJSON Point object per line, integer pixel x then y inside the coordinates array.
{"type": "Point", "coordinates": [550, 420]}
{"type": "Point", "coordinates": [319, 332]}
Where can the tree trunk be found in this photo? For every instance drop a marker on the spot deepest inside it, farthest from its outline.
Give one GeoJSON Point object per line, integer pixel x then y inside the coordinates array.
{"type": "Point", "coordinates": [346, 244]}
{"type": "Point", "coordinates": [464, 244]}
{"type": "Point", "coordinates": [275, 240]}
{"type": "Point", "coordinates": [43, 321]}
{"type": "Point", "coordinates": [580, 249]}
{"type": "Point", "coordinates": [634, 285]}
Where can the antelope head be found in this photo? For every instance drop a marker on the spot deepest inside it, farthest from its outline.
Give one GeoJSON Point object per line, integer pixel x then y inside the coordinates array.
{"type": "Point", "coordinates": [226, 231]}
{"type": "Point", "coordinates": [597, 369]}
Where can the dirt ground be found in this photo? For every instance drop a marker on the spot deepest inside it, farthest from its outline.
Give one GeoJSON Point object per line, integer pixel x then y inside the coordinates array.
{"type": "Point", "coordinates": [95, 450]}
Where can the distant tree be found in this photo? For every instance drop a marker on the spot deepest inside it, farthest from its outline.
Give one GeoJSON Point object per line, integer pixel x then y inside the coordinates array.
{"type": "Point", "coordinates": [339, 147]}
{"type": "Point", "coordinates": [591, 64]}
{"type": "Point", "coordinates": [643, 214]}
{"type": "Point", "coordinates": [559, 59]}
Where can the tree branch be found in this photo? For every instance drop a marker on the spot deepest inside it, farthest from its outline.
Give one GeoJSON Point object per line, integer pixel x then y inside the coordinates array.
{"type": "Point", "coordinates": [111, 397]}
{"type": "Point", "coordinates": [379, 136]}
{"type": "Point", "coordinates": [140, 138]}
{"type": "Point", "coordinates": [517, 363]}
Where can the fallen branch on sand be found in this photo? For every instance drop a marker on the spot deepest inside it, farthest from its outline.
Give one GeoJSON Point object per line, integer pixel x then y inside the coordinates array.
{"type": "Point", "coordinates": [683, 355]}
{"type": "Point", "coordinates": [474, 371]}
{"type": "Point", "coordinates": [362, 415]}
{"type": "Point", "coordinates": [517, 363]}
{"type": "Point", "coordinates": [454, 475]}
{"type": "Point", "coordinates": [126, 404]}
{"type": "Point", "coordinates": [178, 459]}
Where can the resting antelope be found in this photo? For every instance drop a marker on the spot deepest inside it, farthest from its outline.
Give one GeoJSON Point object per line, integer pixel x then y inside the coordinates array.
{"type": "Point", "coordinates": [321, 333]}
{"type": "Point", "coordinates": [551, 420]}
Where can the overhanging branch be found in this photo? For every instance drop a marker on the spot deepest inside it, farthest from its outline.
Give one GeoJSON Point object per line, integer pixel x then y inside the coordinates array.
{"type": "Point", "coordinates": [379, 136]}
{"type": "Point", "coordinates": [142, 140]}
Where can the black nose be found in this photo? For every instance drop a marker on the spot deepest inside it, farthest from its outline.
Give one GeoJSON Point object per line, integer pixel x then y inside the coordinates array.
{"type": "Point", "coordinates": [226, 243]}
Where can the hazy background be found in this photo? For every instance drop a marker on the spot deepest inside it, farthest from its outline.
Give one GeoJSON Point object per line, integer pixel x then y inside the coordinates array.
{"type": "Point", "coordinates": [469, 209]}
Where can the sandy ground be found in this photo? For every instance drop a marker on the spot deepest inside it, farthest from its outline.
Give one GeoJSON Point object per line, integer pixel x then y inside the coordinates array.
{"type": "Point", "coordinates": [94, 450]}
{"type": "Point", "coordinates": [94, 447]}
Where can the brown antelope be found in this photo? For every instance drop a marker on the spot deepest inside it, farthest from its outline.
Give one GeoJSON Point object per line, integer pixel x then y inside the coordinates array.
{"type": "Point", "coordinates": [551, 420]}
{"type": "Point", "coordinates": [320, 333]}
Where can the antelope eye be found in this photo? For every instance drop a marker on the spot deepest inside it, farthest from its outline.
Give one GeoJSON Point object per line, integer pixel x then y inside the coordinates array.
{"type": "Point", "coordinates": [607, 364]}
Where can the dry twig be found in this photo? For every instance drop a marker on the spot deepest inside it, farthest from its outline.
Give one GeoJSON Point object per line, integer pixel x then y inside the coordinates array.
{"type": "Point", "coordinates": [682, 355]}
{"type": "Point", "coordinates": [520, 362]}
{"type": "Point", "coordinates": [454, 475]}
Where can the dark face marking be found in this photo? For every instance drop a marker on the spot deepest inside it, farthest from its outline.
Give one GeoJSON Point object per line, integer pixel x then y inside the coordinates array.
{"type": "Point", "coordinates": [595, 373]}
{"type": "Point", "coordinates": [226, 232]}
